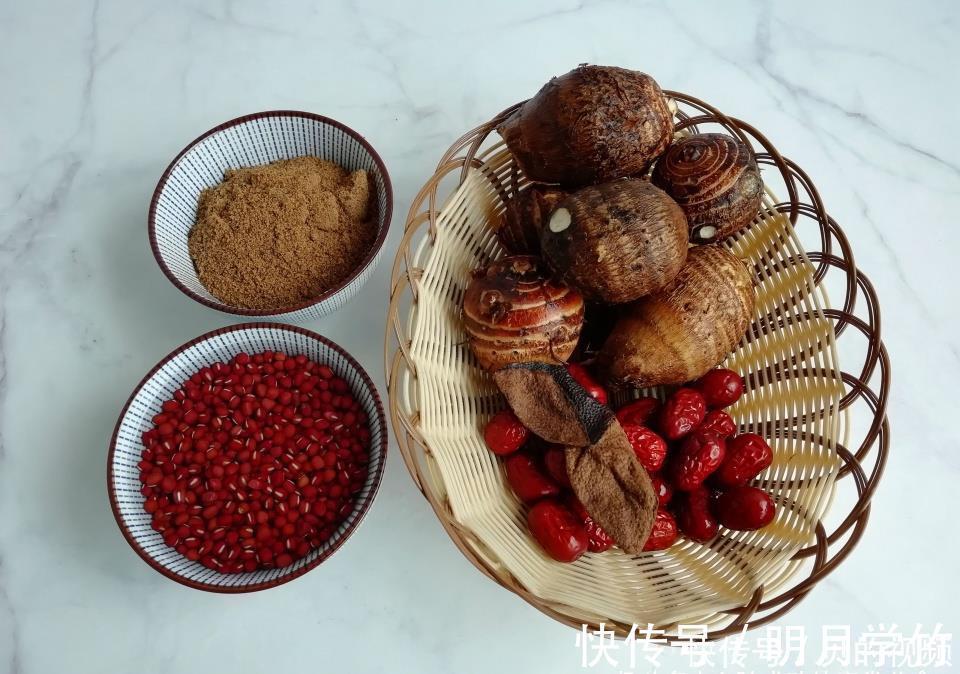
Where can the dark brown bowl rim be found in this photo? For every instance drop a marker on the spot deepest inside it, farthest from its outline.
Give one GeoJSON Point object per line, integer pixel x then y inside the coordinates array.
{"type": "Point", "coordinates": [238, 311]}
{"type": "Point", "coordinates": [364, 505]}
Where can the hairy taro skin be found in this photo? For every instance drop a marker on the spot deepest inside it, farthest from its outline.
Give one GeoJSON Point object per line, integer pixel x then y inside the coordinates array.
{"type": "Point", "coordinates": [591, 125]}
{"type": "Point", "coordinates": [716, 180]}
{"type": "Point", "coordinates": [603, 469]}
{"type": "Point", "coordinates": [614, 487]}
{"type": "Point", "coordinates": [681, 332]}
{"type": "Point", "coordinates": [550, 402]}
{"type": "Point", "coordinates": [625, 239]}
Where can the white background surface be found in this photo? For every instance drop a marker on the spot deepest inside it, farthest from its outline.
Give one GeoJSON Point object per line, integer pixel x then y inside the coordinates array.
{"type": "Point", "coordinates": [99, 96]}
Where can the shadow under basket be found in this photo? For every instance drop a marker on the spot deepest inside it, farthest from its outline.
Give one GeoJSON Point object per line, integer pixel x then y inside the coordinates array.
{"type": "Point", "coordinates": [797, 396]}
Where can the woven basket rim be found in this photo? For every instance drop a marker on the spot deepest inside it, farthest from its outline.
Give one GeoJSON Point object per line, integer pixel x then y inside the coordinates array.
{"type": "Point", "coordinates": [327, 294]}
{"type": "Point", "coordinates": [835, 254]}
{"type": "Point", "coordinates": [362, 507]}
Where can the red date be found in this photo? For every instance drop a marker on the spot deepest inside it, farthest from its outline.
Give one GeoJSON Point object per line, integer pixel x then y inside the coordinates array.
{"type": "Point", "coordinates": [557, 530]}
{"type": "Point", "coordinates": [662, 489]}
{"type": "Point", "coordinates": [664, 532]}
{"type": "Point", "coordinates": [641, 411]}
{"type": "Point", "coordinates": [528, 481]}
{"type": "Point", "coordinates": [720, 423]}
{"type": "Point", "coordinates": [747, 456]}
{"type": "Point", "coordinates": [745, 508]}
{"type": "Point", "coordinates": [694, 516]}
{"type": "Point", "coordinates": [650, 448]}
{"type": "Point", "coordinates": [504, 434]}
{"type": "Point", "coordinates": [586, 380]}
{"type": "Point", "coordinates": [720, 387]}
{"type": "Point", "coordinates": [682, 413]}
{"type": "Point", "coordinates": [700, 455]}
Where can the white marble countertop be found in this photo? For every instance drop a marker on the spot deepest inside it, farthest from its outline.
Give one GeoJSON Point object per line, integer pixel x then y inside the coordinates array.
{"type": "Point", "coordinates": [99, 95]}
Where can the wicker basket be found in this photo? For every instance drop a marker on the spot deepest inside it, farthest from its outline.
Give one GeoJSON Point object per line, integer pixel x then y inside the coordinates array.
{"type": "Point", "coordinates": [798, 397]}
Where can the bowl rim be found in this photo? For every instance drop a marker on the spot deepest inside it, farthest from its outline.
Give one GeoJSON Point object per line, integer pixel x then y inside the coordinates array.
{"type": "Point", "coordinates": [330, 292]}
{"type": "Point", "coordinates": [364, 504]}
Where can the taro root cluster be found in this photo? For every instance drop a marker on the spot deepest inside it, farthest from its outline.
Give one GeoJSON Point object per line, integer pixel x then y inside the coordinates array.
{"type": "Point", "coordinates": [254, 463]}
{"type": "Point", "coordinates": [616, 268]}
{"type": "Point", "coordinates": [631, 218]}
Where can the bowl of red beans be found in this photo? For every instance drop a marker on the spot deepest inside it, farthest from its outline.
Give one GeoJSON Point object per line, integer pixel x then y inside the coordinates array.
{"type": "Point", "coordinates": [246, 457]}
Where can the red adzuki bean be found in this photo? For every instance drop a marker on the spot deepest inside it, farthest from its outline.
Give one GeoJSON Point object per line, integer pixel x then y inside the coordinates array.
{"type": "Point", "coordinates": [254, 463]}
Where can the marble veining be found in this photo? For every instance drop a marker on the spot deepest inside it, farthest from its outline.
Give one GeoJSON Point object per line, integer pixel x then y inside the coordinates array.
{"type": "Point", "coordinates": [99, 95]}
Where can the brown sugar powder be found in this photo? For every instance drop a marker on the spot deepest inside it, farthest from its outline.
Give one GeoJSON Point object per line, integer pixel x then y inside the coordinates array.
{"type": "Point", "coordinates": [273, 236]}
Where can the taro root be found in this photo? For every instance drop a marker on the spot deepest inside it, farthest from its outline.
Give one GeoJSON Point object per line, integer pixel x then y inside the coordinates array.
{"type": "Point", "coordinates": [616, 242]}
{"type": "Point", "coordinates": [513, 311]}
{"type": "Point", "coordinates": [525, 217]}
{"type": "Point", "coordinates": [715, 179]}
{"type": "Point", "coordinates": [550, 402]}
{"type": "Point", "coordinates": [615, 488]}
{"type": "Point", "coordinates": [684, 330]}
{"type": "Point", "coordinates": [594, 124]}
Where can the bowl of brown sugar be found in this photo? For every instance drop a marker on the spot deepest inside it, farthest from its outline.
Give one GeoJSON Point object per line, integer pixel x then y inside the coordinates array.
{"type": "Point", "coordinates": [279, 214]}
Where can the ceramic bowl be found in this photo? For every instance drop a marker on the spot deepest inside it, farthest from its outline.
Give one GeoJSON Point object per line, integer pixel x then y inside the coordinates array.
{"type": "Point", "coordinates": [254, 140]}
{"type": "Point", "coordinates": [158, 385]}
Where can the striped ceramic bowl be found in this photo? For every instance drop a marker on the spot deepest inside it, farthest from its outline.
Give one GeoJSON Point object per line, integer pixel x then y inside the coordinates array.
{"type": "Point", "coordinates": [253, 140]}
{"type": "Point", "coordinates": [123, 481]}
